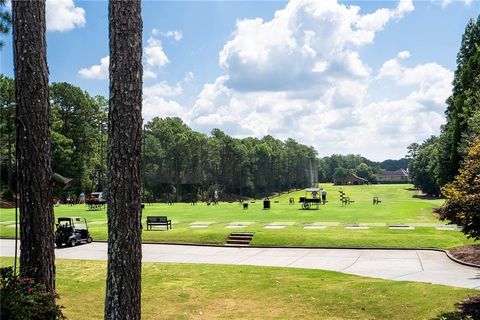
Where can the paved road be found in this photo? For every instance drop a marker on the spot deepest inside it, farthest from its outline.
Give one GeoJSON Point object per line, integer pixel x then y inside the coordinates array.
{"type": "Point", "coordinates": [401, 265]}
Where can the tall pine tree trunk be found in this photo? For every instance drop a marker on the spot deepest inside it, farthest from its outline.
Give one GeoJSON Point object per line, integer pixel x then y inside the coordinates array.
{"type": "Point", "coordinates": [37, 256]}
{"type": "Point", "coordinates": [124, 158]}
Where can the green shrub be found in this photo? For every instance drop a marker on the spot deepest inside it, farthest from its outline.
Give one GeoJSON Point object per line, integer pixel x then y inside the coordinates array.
{"type": "Point", "coordinates": [22, 298]}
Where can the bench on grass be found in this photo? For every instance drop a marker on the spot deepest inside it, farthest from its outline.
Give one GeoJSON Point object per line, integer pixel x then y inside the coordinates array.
{"type": "Point", "coordinates": [95, 205]}
{"type": "Point", "coordinates": [158, 221]}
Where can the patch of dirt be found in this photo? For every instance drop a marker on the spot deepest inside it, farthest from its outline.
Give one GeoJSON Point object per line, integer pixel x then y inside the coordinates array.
{"type": "Point", "coordinates": [470, 254]}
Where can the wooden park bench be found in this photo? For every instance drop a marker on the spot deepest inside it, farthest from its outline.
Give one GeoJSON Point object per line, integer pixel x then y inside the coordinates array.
{"type": "Point", "coordinates": [94, 205]}
{"type": "Point", "coordinates": [158, 221]}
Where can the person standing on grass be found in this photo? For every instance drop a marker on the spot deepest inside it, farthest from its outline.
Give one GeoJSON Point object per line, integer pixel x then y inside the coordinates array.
{"type": "Point", "coordinates": [82, 198]}
{"type": "Point", "coordinates": [324, 196]}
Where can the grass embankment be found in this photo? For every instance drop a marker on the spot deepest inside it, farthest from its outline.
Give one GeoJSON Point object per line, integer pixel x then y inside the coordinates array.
{"type": "Point", "coordinates": [186, 291]}
{"type": "Point", "coordinates": [400, 205]}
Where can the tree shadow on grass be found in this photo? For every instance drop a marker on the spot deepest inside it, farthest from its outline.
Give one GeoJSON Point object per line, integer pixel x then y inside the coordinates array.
{"type": "Point", "coordinates": [467, 309]}
{"type": "Point", "coordinates": [422, 196]}
{"type": "Point", "coordinates": [449, 316]}
{"type": "Point", "coordinates": [425, 197]}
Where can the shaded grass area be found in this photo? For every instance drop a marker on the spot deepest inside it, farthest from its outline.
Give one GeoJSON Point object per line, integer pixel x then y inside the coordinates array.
{"type": "Point", "coordinates": [400, 205]}
{"type": "Point", "coordinates": [187, 291]}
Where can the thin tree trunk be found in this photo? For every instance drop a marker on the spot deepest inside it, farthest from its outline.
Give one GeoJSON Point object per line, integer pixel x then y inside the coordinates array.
{"type": "Point", "coordinates": [123, 294]}
{"type": "Point", "coordinates": [37, 256]}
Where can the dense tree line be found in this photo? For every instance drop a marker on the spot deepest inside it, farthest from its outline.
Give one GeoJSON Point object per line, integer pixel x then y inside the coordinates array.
{"type": "Point", "coordinates": [437, 160]}
{"type": "Point", "coordinates": [78, 136]}
{"type": "Point", "coordinates": [449, 165]}
{"type": "Point", "coordinates": [182, 164]}
{"type": "Point", "coordinates": [462, 205]}
{"type": "Point", "coordinates": [179, 164]}
{"type": "Point", "coordinates": [338, 166]}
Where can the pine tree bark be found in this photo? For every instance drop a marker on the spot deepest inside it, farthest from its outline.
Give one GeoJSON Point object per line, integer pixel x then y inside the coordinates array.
{"type": "Point", "coordinates": [123, 294]}
{"type": "Point", "coordinates": [37, 256]}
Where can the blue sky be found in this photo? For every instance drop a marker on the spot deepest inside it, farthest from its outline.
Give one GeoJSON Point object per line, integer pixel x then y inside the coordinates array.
{"type": "Point", "coordinates": [366, 77]}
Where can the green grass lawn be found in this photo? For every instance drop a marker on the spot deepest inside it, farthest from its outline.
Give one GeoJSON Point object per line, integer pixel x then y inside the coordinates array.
{"type": "Point", "coordinates": [187, 291]}
{"type": "Point", "coordinates": [400, 205]}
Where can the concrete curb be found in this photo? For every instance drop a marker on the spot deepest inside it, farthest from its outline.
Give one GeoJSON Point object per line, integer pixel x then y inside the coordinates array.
{"type": "Point", "coordinates": [461, 261]}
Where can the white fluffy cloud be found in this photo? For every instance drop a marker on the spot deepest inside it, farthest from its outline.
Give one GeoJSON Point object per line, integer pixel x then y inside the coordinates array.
{"type": "Point", "coordinates": [301, 75]}
{"type": "Point", "coordinates": [176, 35]}
{"type": "Point", "coordinates": [149, 74]}
{"type": "Point", "coordinates": [157, 106]}
{"type": "Point", "coordinates": [98, 71]}
{"type": "Point", "coordinates": [154, 59]}
{"type": "Point", "coordinates": [431, 81]}
{"type": "Point", "coordinates": [63, 15]}
{"type": "Point", "coordinates": [341, 120]}
{"type": "Point", "coordinates": [154, 54]}
{"type": "Point", "coordinates": [157, 101]}
{"type": "Point", "coordinates": [308, 42]}
{"type": "Point", "coordinates": [189, 77]}
{"type": "Point", "coordinates": [403, 54]}
{"type": "Point", "coordinates": [162, 89]}
{"type": "Point", "coordinates": [445, 3]}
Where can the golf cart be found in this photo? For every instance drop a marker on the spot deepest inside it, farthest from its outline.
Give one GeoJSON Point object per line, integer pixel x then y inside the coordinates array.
{"type": "Point", "coordinates": [311, 199]}
{"type": "Point", "coordinates": [71, 231]}
{"type": "Point", "coordinates": [95, 201]}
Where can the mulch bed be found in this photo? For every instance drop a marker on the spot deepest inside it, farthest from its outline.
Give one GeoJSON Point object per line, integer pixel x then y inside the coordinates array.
{"type": "Point", "coordinates": [470, 254]}
{"type": "Point", "coordinates": [470, 306]}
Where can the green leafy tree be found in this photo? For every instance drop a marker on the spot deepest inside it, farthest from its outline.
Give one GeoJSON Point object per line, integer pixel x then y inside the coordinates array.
{"type": "Point", "coordinates": [340, 172]}
{"type": "Point", "coordinates": [5, 21]}
{"type": "Point", "coordinates": [462, 206]}
{"type": "Point", "coordinates": [412, 150]}
{"type": "Point", "coordinates": [363, 170]}
{"type": "Point", "coordinates": [463, 104]}
{"type": "Point", "coordinates": [328, 165]}
{"type": "Point", "coordinates": [7, 134]}
{"type": "Point", "coordinates": [394, 165]}
{"type": "Point", "coordinates": [79, 123]}
{"type": "Point", "coordinates": [195, 164]}
{"type": "Point", "coordinates": [425, 166]}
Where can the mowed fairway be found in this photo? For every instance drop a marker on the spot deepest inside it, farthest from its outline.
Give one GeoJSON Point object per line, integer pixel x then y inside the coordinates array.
{"type": "Point", "coordinates": [186, 291]}
{"type": "Point", "coordinates": [400, 205]}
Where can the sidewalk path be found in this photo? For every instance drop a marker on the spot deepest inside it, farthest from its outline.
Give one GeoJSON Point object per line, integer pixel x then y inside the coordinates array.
{"type": "Point", "coordinates": [402, 265]}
